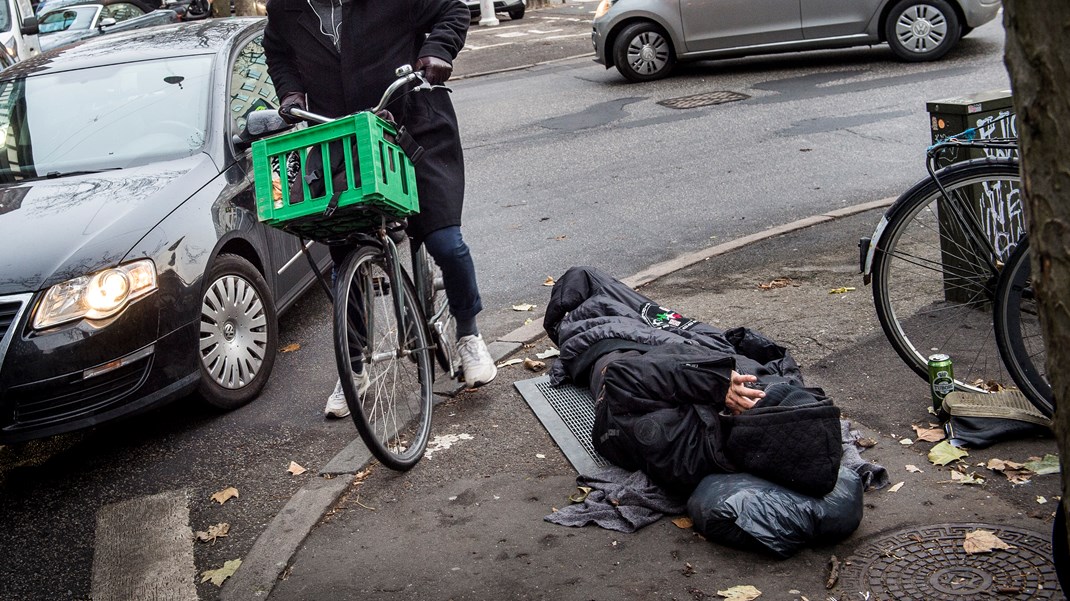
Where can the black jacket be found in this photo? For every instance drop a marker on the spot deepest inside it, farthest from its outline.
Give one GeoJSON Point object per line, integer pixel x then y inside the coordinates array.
{"type": "Point", "coordinates": [659, 381]}
{"type": "Point", "coordinates": [377, 37]}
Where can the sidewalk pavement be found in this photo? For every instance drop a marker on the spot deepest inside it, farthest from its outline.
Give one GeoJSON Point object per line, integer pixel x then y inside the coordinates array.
{"type": "Point", "coordinates": [467, 522]}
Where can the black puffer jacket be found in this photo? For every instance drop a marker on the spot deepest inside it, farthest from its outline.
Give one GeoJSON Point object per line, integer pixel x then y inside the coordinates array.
{"type": "Point", "coordinates": [659, 382]}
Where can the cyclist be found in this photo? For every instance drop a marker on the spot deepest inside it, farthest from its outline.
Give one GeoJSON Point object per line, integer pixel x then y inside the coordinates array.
{"type": "Point", "coordinates": [335, 57]}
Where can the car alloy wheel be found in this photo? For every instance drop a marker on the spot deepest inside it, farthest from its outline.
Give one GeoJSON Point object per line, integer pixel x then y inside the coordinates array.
{"type": "Point", "coordinates": [239, 333]}
{"type": "Point", "coordinates": [921, 30]}
{"type": "Point", "coordinates": [643, 52]}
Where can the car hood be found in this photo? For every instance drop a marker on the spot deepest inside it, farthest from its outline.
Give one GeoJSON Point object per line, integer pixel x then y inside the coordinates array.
{"type": "Point", "coordinates": [52, 230]}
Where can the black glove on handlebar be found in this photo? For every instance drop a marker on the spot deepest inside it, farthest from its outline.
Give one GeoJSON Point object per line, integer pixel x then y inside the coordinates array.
{"type": "Point", "coordinates": [292, 100]}
{"type": "Point", "coordinates": [436, 70]}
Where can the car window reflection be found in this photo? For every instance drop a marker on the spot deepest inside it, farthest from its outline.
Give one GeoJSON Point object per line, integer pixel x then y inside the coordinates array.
{"type": "Point", "coordinates": [104, 117]}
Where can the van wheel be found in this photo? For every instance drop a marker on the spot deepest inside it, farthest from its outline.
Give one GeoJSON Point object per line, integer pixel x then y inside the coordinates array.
{"type": "Point", "coordinates": [643, 52]}
{"type": "Point", "coordinates": [239, 333]}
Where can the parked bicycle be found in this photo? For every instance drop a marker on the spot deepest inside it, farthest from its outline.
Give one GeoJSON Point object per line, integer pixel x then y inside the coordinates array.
{"type": "Point", "coordinates": [390, 324]}
{"type": "Point", "coordinates": [950, 271]}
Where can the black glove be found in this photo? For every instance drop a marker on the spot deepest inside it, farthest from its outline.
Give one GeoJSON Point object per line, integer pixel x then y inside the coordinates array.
{"type": "Point", "coordinates": [435, 70]}
{"type": "Point", "coordinates": [292, 100]}
{"type": "Point", "coordinates": [385, 115]}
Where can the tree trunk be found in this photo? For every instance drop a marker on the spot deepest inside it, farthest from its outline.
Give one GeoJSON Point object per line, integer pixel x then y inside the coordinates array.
{"type": "Point", "coordinates": [1038, 60]}
{"type": "Point", "coordinates": [244, 8]}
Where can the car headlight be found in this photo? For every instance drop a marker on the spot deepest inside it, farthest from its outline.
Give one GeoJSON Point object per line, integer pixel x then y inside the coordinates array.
{"type": "Point", "coordinates": [96, 296]}
{"type": "Point", "coordinates": [603, 7]}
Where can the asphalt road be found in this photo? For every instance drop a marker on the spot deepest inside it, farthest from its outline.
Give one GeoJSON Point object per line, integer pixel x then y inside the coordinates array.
{"type": "Point", "coordinates": [566, 164]}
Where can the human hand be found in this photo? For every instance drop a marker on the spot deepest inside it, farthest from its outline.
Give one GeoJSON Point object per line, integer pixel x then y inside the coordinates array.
{"type": "Point", "coordinates": [292, 100]}
{"type": "Point", "coordinates": [435, 70]}
{"type": "Point", "coordinates": [740, 397]}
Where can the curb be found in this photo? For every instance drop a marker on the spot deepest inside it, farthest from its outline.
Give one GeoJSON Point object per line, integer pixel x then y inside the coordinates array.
{"type": "Point", "coordinates": [276, 546]}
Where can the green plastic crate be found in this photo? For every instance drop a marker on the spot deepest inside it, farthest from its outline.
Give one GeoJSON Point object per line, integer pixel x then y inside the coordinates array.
{"type": "Point", "coordinates": [378, 179]}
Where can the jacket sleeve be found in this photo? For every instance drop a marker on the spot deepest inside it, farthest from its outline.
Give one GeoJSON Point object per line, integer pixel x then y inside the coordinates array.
{"type": "Point", "coordinates": [446, 24]}
{"type": "Point", "coordinates": [279, 54]}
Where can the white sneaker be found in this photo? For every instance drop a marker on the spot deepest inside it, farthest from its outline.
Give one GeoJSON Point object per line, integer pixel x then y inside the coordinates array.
{"type": "Point", "coordinates": [336, 403]}
{"type": "Point", "coordinates": [476, 363]}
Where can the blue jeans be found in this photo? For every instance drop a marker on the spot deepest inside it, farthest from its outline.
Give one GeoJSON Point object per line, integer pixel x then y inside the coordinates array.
{"type": "Point", "coordinates": [448, 249]}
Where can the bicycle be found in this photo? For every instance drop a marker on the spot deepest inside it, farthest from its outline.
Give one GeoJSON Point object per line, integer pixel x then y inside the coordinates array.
{"type": "Point", "coordinates": [390, 325]}
{"type": "Point", "coordinates": [950, 273]}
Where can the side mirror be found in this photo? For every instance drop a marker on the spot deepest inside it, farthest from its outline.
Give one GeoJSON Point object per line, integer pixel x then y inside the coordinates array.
{"type": "Point", "coordinates": [29, 26]}
{"type": "Point", "coordinates": [260, 124]}
{"type": "Point", "coordinates": [106, 22]}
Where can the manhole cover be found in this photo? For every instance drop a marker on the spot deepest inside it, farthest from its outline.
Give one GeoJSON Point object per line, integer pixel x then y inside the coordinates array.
{"type": "Point", "coordinates": [930, 563]}
{"type": "Point", "coordinates": [704, 99]}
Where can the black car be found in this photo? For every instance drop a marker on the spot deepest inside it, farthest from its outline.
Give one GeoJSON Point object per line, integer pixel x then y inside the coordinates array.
{"type": "Point", "coordinates": [133, 269]}
{"type": "Point", "coordinates": [514, 8]}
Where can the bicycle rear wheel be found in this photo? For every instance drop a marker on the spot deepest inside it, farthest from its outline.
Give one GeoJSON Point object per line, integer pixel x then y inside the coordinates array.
{"type": "Point", "coordinates": [388, 341]}
{"type": "Point", "coordinates": [932, 289]}
{"type": "Point", "coordinates": [1018, 332]}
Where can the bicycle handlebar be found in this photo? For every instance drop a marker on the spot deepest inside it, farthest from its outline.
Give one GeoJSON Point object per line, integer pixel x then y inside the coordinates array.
{"type": "Point", "coordinates": [405, 76]}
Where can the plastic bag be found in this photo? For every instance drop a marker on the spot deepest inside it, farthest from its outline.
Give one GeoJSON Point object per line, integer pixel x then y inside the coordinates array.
{"type": "Point", "coordinates": [745, 511]}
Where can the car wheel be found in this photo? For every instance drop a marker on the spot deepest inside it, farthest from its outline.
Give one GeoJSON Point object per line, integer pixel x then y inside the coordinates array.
{"type": "Point", "coordinates": [517, 13]}
{"type": "Point", "coordinates": [922, 30]}
{"type": "Point", "coordinates": [643, 52]}
{"type": "Point", "coordinates": [239, 333]}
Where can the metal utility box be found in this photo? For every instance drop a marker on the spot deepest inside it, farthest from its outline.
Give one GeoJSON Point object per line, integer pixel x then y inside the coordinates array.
{"type": "Point", "coordinates": [992, 113]}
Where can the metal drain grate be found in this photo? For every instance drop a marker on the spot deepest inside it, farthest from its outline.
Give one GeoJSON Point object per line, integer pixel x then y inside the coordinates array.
{"type": "Point", "coordinates": [703, 99]}
{"type": "Point", "coordinates": [567, 413]}
{"type": "Point", "coordinates": [929, 562]}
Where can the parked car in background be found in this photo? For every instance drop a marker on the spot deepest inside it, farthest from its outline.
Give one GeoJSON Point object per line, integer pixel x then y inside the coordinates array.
{"type": "Point", "coordinates": [133, 269]}
{"type": "Point", "coordinates": [49, 5]}
{"type": "Point", "coordinates": [18, 30]}
{"type": "Point", "coordinates": [60, 26]}
{"type": "Point", "coordinates": [514, 8]}
{"type": "Point", "coordinates": [644, 39]}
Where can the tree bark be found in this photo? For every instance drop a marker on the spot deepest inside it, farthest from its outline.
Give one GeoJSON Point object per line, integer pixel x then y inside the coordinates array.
{"type": "Point", "coordinates": [1038, 60]}
{"type": "Point", "coordinates": [244, 8]}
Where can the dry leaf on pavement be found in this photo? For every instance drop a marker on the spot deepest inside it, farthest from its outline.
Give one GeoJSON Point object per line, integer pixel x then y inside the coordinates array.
{"type": "Point", "coordinates": [896, 487]}
{"type": "Point", "coordinates": [906, 442]}
{"type": "Point", "coordinates": [510, 362]}
{"type": "Point", "coordinates": [929, 434]}
{"type": "Point", "coordinates": [225, 495]}
{"type": "Point", "coordinates": [776, 283]}
{"type": "Point", "coordinates": [1048, 465]}
{"type": "Point", "coordinates": [914, 469]}
{"type": "Point", "coordinates": [218, 576]}
{"type": "Point", "coordinates": [683, 522]}
{"type": "Point", "coordinates": [289, 348]}
{"type": "Point", "coordinates": [523, 307]}
{"type": "Point", "coordinates": [982, 541]}
{"type": "Point", "coordinates": [866, 443]}
{"type": "Point", "coordinates": [744, 592]}
{"type": "Point", "coordinates": [533, 365]}
{"type": "Point", "coordinates": [215, 531]}
{"type": "Point", "coordinates": [961, 478]}
{"type": "Point", "coordinates": [944, 453]}
{"type": "Point", "coordinates": [842, 290]}
{"type": "Point", "coordinates": [549, 281]}
{"type": "Point", "coordinates": [296, 469]}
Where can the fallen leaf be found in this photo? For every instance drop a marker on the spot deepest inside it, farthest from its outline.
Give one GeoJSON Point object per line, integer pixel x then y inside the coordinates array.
{"type": "Point", "coordinates": [741, 593]}
{"type": "Point", "coordinates": [944, 453]}
{"type": "Point", "coordinates": [689, 570]}
{"type": "Point", "coordinates": [914, 469]}
{"type": "Point", "coordinates": [1048, 465]}
{"type": "Point", "coordinates": [296, 469]}
{"type": "Point", "coordinates": [906, 442]}
{"type": "Point", "coordinates": [776, 283]}
{"type": "Point", "coordinates": [533, 365]}
{"type": "Point", "coordinates": [929, 434]}
{"type": "Point", "coordinates": [550, 352]}
{"type": "Point", "coordinates": [982, 541]}
{"type": "Point", "coordinates": [581, 496]}
{"type": "Point", "coordinates": [842, 290]}
{"type": "Point", "coordinates": [549, 281]}
{"type": "Point", "coordinates": [833, 573]}
{"type": "Point", "coordinates": [540, 456]}
{"type": "Point", "coordinates": [289, 348]}
{"type": "Point", "coordinates": [523, 307]}
{"type": "Point", "coordinates": [683, 522]}
{"type": "Point", "coordinates": [1041, 500]}
{"type": "Point", "coordinates": [961, 478]}
{"type": "Point", "coordinates": [866, 443]}
{"type": "Point", "coordinates": [896, 487]}
{"type": "Point", "coordinates": [1001, 465]}
{"type": "Point", "coordinates": [218, 576]}
{"type": "Point", "coordinates": [225, 495]}
{"type": "Point", "coordinates": [215, 531]}
{"type": "Point", "coordinates": [988, 385]}
{"type": "Point", "coordinates": [510, 362]}
{"type": "Point", "coordinates": [558, 238]}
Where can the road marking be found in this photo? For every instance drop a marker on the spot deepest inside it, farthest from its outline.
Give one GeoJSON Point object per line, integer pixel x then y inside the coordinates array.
{"type": "Point", "coordinates": [144, 550]}
{"type": "Point", "coordinates": [585, 34]}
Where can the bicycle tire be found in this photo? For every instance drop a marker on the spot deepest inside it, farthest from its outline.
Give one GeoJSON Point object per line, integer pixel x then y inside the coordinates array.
{"type": "Point", "coordinates": [932, 293]}
{"type": "Point", "coordinates": [442, 324]}
{"type": "Point", "coordinates": [394, 416]}
{"type": "Point", "coordinates": [1018, 332]}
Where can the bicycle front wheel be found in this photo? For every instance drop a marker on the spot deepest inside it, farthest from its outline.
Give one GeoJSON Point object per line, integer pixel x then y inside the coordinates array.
{"type": "Point", "coordinates": [1018, 332]}
{"type": "Point", "coordinates": [379, 332]}
{"type": "Point", "coordinates": [933, 286]}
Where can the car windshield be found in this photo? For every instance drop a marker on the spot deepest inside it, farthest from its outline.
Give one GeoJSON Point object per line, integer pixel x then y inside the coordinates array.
{"type": "Point", "coordinates": [105, 117]}
{"type": "Point", "coordinates": [74, 18]}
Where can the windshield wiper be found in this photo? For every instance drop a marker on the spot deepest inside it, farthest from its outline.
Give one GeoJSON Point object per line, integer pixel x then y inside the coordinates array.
{"type": "Point", "coordinates": [55, 174]}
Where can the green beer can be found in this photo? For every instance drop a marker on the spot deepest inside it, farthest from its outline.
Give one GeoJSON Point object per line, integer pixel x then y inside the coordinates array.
{"type": "Point", "coordinates": [941, 380]}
